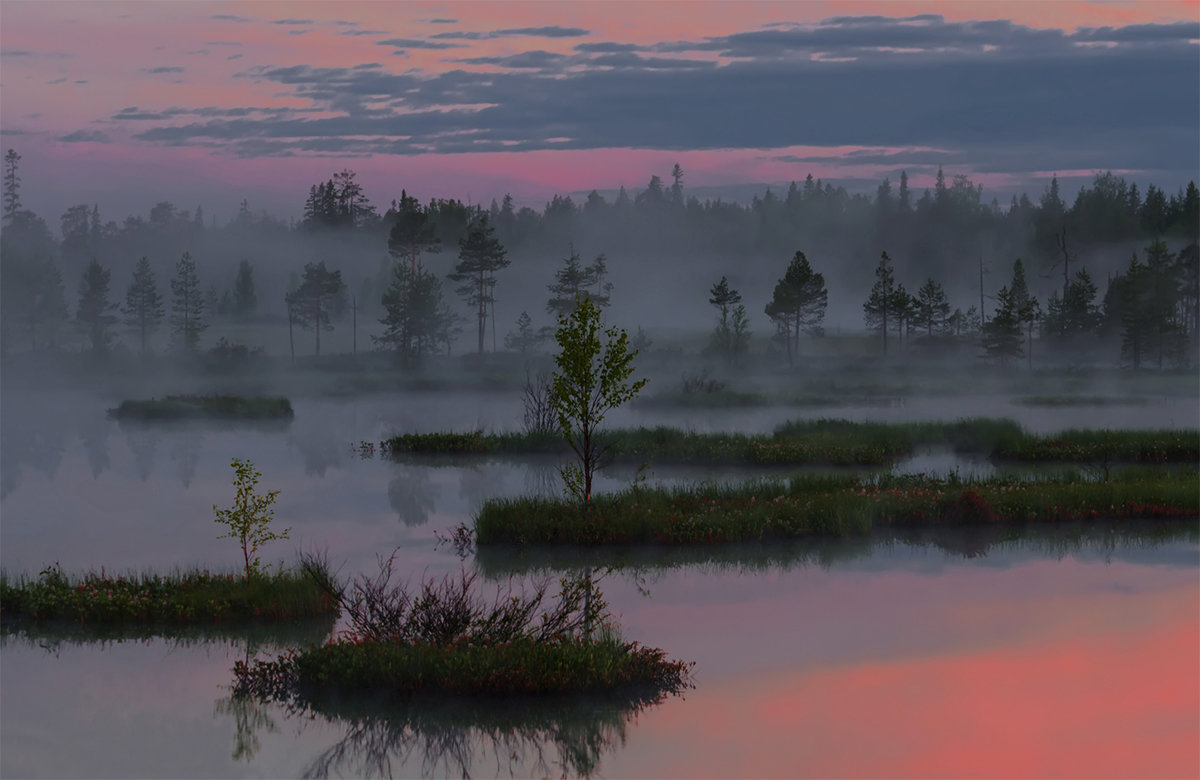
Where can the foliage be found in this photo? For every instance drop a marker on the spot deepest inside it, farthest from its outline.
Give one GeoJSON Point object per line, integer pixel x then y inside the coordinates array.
{"type": "Point", "coordinates": [524, 339]}
{"type": "Point", "coordinates": [249, 519]}
{"type": "Point", "coordinates": [574, 280]}
{"type": "Point", "coordinates": [319, 298]}
{"type": "Point", "coordinates": [480, 256]}
{"type": "Point", "coordinates": [143, 305]}
{"type": "Point", "coordinates": [1002, 339]}
{"type": "Point", "coordinates": [834, 506]}
{"type": "Point", "coordinates": [412, 231]}
{"type": "Point", "coordinates": [187, 304]}
{"type": "Point", "coordinates": [245, 297]}
{"type": "Point", "coordinates": [592, 377]}
{"type": "Point", "coordinates": [799, 303]}
{"type": "Point", "coordinates": [732, 336]}
{"type": "Point", "coordinates": [880, 308]}
{"type": "Point", "coordinates": [417, 320]}
{"type": "Point", "coordinates": [191, 597]}
{"type": "Point", "coordinates": [931, 308]}
{"type": "Point", "coordinates": [94, 312]}
{"type": "Point", "coordinates": [445, 637]}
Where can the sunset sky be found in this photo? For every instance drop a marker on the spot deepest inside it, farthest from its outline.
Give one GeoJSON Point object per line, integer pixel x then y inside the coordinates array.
{"type": "Point", "coordinates": [127, 104]}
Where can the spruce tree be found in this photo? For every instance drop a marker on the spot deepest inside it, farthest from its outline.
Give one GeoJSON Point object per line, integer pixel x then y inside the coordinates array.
{"type": "Point", "coordinates": [143, 308]}
{"type": "Point", "coordinates": [187, 305]}
{"type": "Point", "coordinates": [94, 312]}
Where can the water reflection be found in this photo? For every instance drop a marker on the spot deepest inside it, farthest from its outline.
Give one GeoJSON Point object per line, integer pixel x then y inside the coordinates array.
{"type": "Point", "coordinates": [53, 635]}
{"type": "Point", "coordinates": [413, 494]}
{"type": "Point", "coordinates": [445, 736]}
{"type": "Point", "coordinates": [1093, 539]}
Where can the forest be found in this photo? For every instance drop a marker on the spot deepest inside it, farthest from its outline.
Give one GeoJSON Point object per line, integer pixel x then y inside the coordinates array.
{"type": "Point", "coordinates": [1111, 275]}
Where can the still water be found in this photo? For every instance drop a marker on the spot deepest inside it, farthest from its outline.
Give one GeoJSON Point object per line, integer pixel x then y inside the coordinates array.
{"type": "Point", "coordinates": [931, 656]}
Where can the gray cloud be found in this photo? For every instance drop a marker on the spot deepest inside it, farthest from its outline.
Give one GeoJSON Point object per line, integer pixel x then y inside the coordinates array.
{"type": "Point", "coordinates": [608, 47]}
{"type": "Point", "coordinates": [163, 69]}
{"type": "Point", "coordinates": [223, 43]}
{"type": "Point", "coordinates": [417, 43]}
{"type": "Point", "coordinates": [527, 59]}
{"type": "Point", "coordinates": [292, 21]}
{"type": "Point", "coordinates": [84, 136]}
{"type": "Point", "coordinates": [443, 21]}
{"type": "Point", "coordinates": [299, 32]}
{"type": "Point", "coordinates": [235, 56]}
{"type": "Point", "coordinates": [1056, 105]}
{"type": "Point", "coordinates": [552, 31]}
{"type": "Point", "coordinates": [365, 32]}
{"type": "Point", "coordinates": [231, 18]}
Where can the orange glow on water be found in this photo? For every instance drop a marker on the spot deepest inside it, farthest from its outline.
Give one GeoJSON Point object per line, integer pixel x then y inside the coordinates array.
{"type": "Point", "coordinates": [1093, 702]}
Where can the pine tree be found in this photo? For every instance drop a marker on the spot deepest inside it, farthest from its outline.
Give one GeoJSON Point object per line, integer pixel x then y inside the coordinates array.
{"type": "Point", "coordinates": [94, 312]}
{"type": "Point", "coordinates": [1002, 333]}
{"type": "Point", "coordinates": [143, 308]}
{"type": "Point", "coordinates": [12, 186]}
{"type": "Point", "coordinates": [413, 231]}
{"type": "Point", "coordinates": [245, 298]}
{"type": "Point", "coordinates": [725, 298]}
{"type": "Point", "coordinates": [880, 306]}
{"type": "Point", "coordinates": [799, 303]}
{"type": "Point", "coordinates": [319, 298]}
{"type": "Point", "coordinates": [931, 309]}
{"type": "Point", "coordinates": [575, 279]}
{"type": "Point", "coordinates": [417, 320]}
{"type": "Point", "coordinates": [480, 256]}
{"type": "Point", "coordinates": [524, 339]}
{"type": "Point", "coordinates": [187, 305]}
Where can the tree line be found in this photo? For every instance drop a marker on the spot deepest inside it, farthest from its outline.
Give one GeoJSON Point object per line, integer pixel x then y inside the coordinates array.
{"type": "Point", "coordinates": [939, 234]}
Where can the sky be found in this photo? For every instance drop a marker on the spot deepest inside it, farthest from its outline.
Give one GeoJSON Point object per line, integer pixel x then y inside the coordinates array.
{"type": "Point", "coordinates": [130, 103]}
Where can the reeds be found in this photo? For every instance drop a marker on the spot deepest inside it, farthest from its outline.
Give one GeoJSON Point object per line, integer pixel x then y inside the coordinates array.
{"type": "Point", "coordinates": [833, 506]}
{"type": "Point", "coordinates": [446, 637]}
{"type": "Point", "coordinates": [182, 598]}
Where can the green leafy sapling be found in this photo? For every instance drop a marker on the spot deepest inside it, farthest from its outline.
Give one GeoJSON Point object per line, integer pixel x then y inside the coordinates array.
{"type": "Point", "coordinates": [249, 519]}
{"type": "Point", "coordinates": [592, 377]}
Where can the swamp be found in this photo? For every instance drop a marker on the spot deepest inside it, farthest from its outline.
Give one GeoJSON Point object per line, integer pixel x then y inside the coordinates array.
{"type": "Point", "coordinates": [893, 630]}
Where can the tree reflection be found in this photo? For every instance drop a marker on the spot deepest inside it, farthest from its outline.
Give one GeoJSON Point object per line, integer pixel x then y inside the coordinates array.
{"type": "Point", "coordinates": [444, 736]}
{"type": "Point", "coordinates": [413, 495]}
{"type": "Point", "coordinates": [185, 451]}
{"type": "Point", "coordinates": [143, 443]}
{"type": "Point", "coordinates": [93, 434]}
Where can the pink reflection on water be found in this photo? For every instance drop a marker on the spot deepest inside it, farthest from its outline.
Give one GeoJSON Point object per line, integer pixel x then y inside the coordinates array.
{"type": "Point", "coordinates": [1100, 685]}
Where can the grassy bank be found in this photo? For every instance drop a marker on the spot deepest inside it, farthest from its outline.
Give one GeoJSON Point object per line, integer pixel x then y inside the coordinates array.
{"type": "Point", "coordinates": [835, 506]}
{"type": "Point", "coordinates": [186, 598]}
{"type": "Point", "coordinates": [519, 668]}
{"type": "Point", "coordinates": [830, 442]}
{"type": "Point", "coordinates": [449, 638]}
{"type": "Point", "coordinates": [206, 407]}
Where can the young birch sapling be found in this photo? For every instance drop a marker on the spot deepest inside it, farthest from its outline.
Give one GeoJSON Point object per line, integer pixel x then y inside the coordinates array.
{"type": "Point", "coordinates": [249, 519]}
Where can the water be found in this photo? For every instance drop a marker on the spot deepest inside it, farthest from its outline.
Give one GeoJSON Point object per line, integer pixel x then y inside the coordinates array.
{"type": "Point", "coordinates": [945, 656]}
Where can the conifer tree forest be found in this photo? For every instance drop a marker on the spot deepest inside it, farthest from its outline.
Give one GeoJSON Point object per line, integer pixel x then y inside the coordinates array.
{"type": "Point", "coordinates": [1110, 272]}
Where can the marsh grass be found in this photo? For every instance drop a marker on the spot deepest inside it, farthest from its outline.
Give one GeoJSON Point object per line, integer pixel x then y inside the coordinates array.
{"type": "Point", "coordinates": [831, 505]}
{"type": "Point", "coordinates": [206, 407]}
{"type": "Point", "coordinates": [446, 637]}
{"type": "Point", "coordinates": [181, 598]}
{"type": "Point", "coordinates": [831, 442]}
